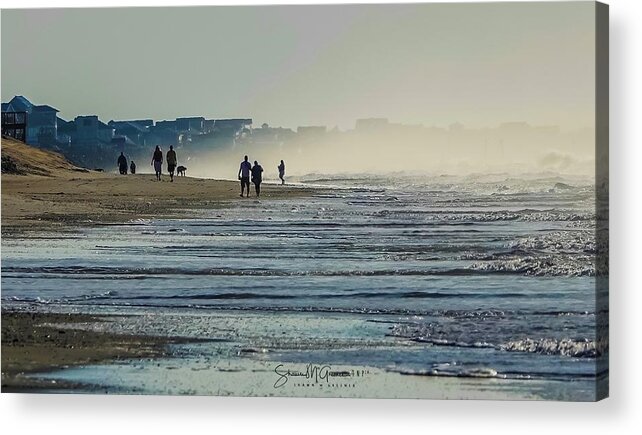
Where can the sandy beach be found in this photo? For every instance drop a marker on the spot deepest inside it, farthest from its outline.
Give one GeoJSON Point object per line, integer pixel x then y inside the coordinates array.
{"type": "Point", "coordinates": [50, 193]}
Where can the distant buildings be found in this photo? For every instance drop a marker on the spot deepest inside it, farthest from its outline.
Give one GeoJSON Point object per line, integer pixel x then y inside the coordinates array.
{"type": "Point", "coordinates": [163, 132]}
{"type": "Point", "coordinates": [90, 131]}
{"type": "Point", "coordinates": [88, 141]}
{"type": "Point", "coordinates": [371, 124]}
{"type": "Point", "coordinates": [188, 125]}
{"type": "Point", "coordinates": [271, 136]}
{"type": "Point", "coordinates": [310, 133]}
{"type": "Point", "coordinates": [236, 125]}
{"type": "Point", "coordinates": [41, 125]}
{"type": "Point", "coordinates": [134, 131]}
{"type": "Point", "coordinates": [233, 128]}
{"type": "Point", "coordinates": [218, 133]}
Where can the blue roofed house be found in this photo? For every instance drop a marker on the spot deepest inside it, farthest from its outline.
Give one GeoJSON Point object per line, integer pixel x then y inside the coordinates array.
{"type": "Point", "coordinates": [17, 104]}
{"type": "Point", "coordinates": [41, 120]}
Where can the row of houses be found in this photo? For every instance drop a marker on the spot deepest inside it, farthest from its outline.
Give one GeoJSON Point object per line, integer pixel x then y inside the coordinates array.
{"type": "Point", "coordinates": [85, 138]}
{"type": "Point", "coordinates": [40, 125]}
{"type": "Point", "coordinates": [90, 142]}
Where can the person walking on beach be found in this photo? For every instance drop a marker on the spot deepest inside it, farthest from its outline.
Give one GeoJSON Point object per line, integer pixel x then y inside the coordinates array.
{"type": "Point", "coordinates": [257, 177]}
{"type": "Point", "coordinates": [171, 162]}
{"type": "Point", "coordinates": [281, 169]}
{"type": "Point", "coordinates": [122, 164]}
{"type": "Point", "coordinates": [244, 175]}
{"type": "Point", "coordinates": [132, 167]}
{"type": "Point", "coordinates": [157, 162]}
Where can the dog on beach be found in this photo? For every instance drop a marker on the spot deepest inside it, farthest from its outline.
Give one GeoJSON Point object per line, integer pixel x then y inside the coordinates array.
{"type": "Point", "coordinates": [181, 170]}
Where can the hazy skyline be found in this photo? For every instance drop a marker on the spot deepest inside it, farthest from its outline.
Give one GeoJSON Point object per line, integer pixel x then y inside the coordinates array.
{"type": "Point", "coordinates": [430, 64]}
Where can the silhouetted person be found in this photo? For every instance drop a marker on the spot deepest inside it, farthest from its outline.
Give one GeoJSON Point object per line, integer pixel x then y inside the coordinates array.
{"type": "Point", "coordinates": [122, 164]}
{"type": "Point", "coordinates": [132, 167]}
{"type": "Point", "coordinates": [281, 169]}
{"type": "Point", "coordinates": [157, 162]}
{"type": "Point", "coordinates": [171, 162]}
{"type": "Point", "coordinates": [257, 177]}
{"type": "Point", "coordinates": [244, 175]}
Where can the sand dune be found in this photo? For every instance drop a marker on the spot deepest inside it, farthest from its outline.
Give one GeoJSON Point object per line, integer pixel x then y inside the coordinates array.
{"type": "Point", "coordinates": [21, 159]}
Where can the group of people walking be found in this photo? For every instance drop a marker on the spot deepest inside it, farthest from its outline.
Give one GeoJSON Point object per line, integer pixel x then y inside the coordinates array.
{"type": "Point", "coordinates": [247, 171]}
{"type": "Point", "coordinates": [157, 162]}
{"type": "Point", "coordinates": [122, 165]}
{"type": "Point", "coordinates": [256, 172]}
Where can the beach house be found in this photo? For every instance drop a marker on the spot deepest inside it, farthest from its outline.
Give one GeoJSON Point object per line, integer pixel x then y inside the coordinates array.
{"type": "Point", "coordinates": [14, 124]}
{"type": "Point", "coordinates": [41, 127]}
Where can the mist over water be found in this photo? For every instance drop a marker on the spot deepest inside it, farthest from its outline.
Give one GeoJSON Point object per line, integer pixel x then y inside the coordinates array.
{"type": "Point", "coordinates": [408, 150]}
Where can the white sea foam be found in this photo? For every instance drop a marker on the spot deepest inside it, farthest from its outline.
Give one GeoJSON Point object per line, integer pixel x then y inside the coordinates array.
{"type": "Point", "coordinates": [540, 266]}
{"type": "Point", "coordinates": [566, 347]}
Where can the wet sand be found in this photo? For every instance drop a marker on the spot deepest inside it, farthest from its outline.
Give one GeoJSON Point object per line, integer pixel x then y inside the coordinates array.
{"type": "Point", "coordinates": [34, 343]}
{"type": "Point", "coordinates": [94, 354]}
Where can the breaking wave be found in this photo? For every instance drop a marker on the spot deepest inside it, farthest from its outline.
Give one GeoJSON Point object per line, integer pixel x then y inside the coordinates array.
{"type": "Point", "coordinates": [566, 347]}
{"type": "Point", "coordinates": [481, 372]}
{"type": "Point", "coordinates": [562, 333]}
{"type": "Point", "coordinates": [540, 266]}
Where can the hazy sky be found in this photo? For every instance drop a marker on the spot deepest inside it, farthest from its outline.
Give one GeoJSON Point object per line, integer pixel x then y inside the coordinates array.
{"type": "Point", "coordinates": [479, 64]}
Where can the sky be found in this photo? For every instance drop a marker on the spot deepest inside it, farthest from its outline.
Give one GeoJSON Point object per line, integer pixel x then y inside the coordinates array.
{"type": "Point", "coordinates": [430, 64]}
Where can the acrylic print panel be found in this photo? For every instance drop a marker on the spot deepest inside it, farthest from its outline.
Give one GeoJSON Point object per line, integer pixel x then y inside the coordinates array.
{"type": "Point", "coordinates": [372, 201]}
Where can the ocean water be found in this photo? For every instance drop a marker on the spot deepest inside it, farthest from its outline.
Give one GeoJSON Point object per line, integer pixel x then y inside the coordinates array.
{"type": "Point", "coordinates": [480, 276]}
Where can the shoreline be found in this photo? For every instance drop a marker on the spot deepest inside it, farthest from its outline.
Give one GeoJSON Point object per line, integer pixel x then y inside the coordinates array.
{"type": "Point", "coordinates": [58, 352]}
{"type": "Point", "coordinates": [35, 203]}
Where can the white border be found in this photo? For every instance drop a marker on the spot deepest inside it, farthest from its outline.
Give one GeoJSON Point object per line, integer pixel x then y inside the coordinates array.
{"type": "Point", "coordinates": [70, 414]}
